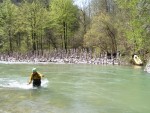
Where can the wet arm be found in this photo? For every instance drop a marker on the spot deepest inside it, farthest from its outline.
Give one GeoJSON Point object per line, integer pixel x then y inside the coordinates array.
{"type": "Point", "coordinates": [30, 80]}
{"type": "Point", "coordinates": [41, 75]}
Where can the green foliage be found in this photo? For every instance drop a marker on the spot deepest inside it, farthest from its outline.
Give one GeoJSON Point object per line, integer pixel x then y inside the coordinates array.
{"type": "Point", "coordinates": [63, 12]}
{"type": "Point", "coordinates": [134, 31]}
{"type": "Point", "coordinates": [35, 26]}
{"type": "Point", "coordinates": [99, 33]}
{"type": "Point", "coordinates": [115, 25]}
{"type": "Point", "coordinates": [8, 14]}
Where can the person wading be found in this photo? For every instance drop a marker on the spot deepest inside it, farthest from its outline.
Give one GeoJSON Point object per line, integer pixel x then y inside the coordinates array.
{"type": "Point", "coordinates": [36, 78]}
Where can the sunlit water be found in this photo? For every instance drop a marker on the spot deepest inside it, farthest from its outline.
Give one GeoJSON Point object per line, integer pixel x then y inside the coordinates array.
{"type": "Point", "coordinates": [74, 89]}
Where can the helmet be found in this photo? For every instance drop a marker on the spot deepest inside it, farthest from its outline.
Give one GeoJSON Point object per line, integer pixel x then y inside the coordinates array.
{"type": "Point", "coordinates": [34, 70]}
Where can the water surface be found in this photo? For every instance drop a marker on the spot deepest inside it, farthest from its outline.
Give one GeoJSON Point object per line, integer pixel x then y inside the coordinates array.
{"type": "Point", "coordinates": [74, 89]}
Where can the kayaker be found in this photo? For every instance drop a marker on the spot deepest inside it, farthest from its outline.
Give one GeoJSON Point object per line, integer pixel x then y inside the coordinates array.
{"type": "Point", "coordinates": [36, 78]}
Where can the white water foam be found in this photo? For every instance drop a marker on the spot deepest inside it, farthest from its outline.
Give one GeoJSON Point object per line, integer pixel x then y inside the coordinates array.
{"type": "Point", "coordinates": [21, 84]}
{"type": "Point", "coordinates": [147, 67]}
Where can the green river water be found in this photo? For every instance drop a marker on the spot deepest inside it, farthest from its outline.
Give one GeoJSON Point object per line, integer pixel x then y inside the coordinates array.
{"type": "Point", "coordinates": [70, 88]}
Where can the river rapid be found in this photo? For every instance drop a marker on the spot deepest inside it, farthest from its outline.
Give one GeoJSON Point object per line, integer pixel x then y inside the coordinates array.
{"type": "Point", "coordinates": [72, 88]}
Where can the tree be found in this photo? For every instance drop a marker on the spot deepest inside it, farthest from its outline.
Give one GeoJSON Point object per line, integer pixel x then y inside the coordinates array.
{"type": "Point", "coordinates": [63, 15]}
{"type": "Point", "coordinates": [135, 20]}
{"type": "Point", "coordinates": [102, 34]}
{"type": "Point", "coordinates": [145, 20]}
{"type": "Point", "coordinates": [102, 6]}
{"type": "Point", "coordinates": [8, 20]}
{"type": "Point", "coordinates": [35, 18]}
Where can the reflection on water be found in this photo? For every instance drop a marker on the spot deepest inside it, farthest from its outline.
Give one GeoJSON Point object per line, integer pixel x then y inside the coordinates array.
{"type": "Point", "coordinates": [75, 89]}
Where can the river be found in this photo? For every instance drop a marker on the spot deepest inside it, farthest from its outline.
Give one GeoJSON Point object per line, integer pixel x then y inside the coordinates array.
{"type": "Point", "coordinates": [70, 88]}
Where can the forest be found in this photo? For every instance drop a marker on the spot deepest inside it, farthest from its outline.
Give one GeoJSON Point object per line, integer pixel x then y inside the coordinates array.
{"type": "Point", "coordinates": [96, 25]}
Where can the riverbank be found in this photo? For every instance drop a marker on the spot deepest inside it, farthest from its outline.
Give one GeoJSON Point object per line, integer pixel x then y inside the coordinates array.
{"type": "Point", "coordinates": [61, 57]}
{"type": "Point", "coordinates": [65, 61]}
{"type": "Point", "coordinates": [98, 61]}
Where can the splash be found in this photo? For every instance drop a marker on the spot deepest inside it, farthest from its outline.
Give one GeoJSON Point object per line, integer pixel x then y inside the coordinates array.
{"type": "Point", "coordinates": [147, 67]}
{"type": "Point", "coordinates": [19, 83]}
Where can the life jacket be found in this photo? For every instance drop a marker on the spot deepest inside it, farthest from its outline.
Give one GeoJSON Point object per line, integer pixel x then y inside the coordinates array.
{"type": "Point", "coordinates": [35, 76]}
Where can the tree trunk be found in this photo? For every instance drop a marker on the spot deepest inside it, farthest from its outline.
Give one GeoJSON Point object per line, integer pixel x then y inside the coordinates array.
{"type": "Point", "coordinates": [27, 42]}
{"type": "Point", "coordinates": [41, 44]}
{"type": "Point", "coordinates": [113, 40]}
{"type": "Point", "coordinates": [18, 41]}
{"type": "Point", "coordinates": [65, 35]}
{"type": "Point", "coordinates": [10, 42]}
{"type": "Point", "coordinates": [33, 42]}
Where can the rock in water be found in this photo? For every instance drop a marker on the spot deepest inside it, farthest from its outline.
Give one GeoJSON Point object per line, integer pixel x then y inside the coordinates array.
{"type": "Point", "coordinates": [147, 67]}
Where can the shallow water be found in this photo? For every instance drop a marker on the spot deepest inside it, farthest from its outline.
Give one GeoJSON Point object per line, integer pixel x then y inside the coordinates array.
{"type": "Point", "coordinates": [74, 89]}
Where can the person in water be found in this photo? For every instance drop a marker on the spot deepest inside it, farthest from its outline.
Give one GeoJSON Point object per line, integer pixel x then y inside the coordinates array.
{"type": "Point", "coordinates": [36, 78]}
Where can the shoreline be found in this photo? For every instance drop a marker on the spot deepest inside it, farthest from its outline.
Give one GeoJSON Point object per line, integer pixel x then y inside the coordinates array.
{"type": "Point", "coordinates": [96, 61]}
{"type": "Point", "coordinates": [16, 62]}
{"type": "Point", "coordinates": [60, 57]}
